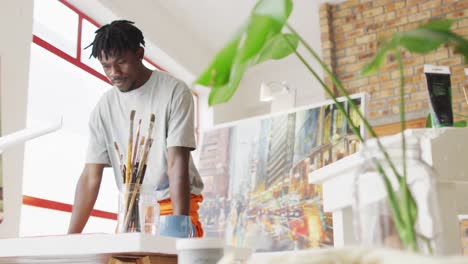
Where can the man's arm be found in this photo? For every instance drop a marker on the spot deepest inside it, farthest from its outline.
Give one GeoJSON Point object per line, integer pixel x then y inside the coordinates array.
{"type": "Point", "coordinates": [179, 180]}
{"type": "Point", "coordinates": [86, 193]}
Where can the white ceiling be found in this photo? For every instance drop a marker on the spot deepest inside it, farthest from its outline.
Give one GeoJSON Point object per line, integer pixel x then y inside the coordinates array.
{"type": "Point", "coordinates": [213, 21]}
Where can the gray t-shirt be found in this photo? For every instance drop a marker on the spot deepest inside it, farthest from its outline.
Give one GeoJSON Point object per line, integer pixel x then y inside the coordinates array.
{"type": "Point", "coordinates": [172, 103]}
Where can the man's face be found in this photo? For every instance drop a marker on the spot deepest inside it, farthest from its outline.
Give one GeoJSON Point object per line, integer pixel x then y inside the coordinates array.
{"type": "Point", "coordinates": [123, 70]}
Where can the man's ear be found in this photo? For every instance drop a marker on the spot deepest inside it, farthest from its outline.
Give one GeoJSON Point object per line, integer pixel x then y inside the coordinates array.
{"type": "Point", "coordinates": [140, 53]}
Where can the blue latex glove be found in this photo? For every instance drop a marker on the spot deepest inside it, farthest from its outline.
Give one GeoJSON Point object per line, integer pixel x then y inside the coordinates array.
{"type": "Point", "coordinates": [176, 226]}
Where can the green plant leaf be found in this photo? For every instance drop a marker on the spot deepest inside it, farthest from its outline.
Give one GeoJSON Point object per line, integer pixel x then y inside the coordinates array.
{"type": "Point", "coordinates": [217, 74]}
{"type": "Point", "coordinates": [440, 24]}
{"type": "Point", "coordinates": [428, 121]}
{"type": "Point", "coordinates": [422, 40]}
{"type": "Point", "coordinates": [378, 60]}
{"type": "Point", "coordinates": [267, 19]}
{"type": "Point", "coordinates": [222, 94]}
{"type": "Point", "coordinates": [461, 123]}
{"type": "Point", "coordinates": [277, 47]}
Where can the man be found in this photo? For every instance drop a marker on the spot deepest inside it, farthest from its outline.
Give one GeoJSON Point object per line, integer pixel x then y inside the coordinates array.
{"type": "Point", "coordinates": [119, 48]}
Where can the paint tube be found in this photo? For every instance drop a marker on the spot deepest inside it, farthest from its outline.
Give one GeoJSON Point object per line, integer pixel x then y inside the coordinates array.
{"type": "Point", "coordinates": [440, 95]}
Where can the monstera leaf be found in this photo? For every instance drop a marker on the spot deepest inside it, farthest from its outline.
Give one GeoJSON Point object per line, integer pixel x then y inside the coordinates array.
{"type": "Point", "coordinates": [259, 40]}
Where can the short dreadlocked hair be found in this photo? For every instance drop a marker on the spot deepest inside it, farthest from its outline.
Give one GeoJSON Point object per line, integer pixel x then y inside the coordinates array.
{"type": "Point", "coordinates": [115, 38]}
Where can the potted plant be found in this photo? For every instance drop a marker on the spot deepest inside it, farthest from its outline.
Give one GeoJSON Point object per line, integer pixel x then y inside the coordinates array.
{"type": "Point", "coordinates": [262, 38]}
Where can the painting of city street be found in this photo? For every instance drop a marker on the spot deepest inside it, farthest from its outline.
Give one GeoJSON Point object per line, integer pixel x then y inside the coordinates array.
{"type": "Point", "coordinates": [256, 175]}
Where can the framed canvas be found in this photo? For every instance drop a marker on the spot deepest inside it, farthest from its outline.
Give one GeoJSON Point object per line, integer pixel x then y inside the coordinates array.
{"type": "Point", "coordinates": [256, 176]}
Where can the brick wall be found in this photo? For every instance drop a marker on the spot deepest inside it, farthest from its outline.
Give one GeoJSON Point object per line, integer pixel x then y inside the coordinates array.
{"type": "Point", "coordinates": [350, 32]}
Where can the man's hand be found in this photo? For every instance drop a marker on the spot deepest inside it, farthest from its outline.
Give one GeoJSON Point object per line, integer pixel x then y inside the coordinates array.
{"type": "Point", "coordinates": [179, 180]}
{"type": "Point", "coordinates": [86, 193]}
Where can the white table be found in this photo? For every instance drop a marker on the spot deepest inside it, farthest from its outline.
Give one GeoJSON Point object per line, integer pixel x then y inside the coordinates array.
{"type": "Point", "coordinates": [89, 248]}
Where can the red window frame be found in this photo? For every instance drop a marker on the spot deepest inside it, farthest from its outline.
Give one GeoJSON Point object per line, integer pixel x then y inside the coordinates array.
{"type": "Point", "coordinates": [54, 205]}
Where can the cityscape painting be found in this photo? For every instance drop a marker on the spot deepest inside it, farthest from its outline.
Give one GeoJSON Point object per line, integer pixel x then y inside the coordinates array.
{"type": "Point", "coordinates": [256, 175]}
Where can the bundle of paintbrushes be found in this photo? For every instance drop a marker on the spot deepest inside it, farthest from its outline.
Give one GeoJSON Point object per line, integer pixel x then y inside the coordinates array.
{"type": "Point", "coordinates": [133, 173]}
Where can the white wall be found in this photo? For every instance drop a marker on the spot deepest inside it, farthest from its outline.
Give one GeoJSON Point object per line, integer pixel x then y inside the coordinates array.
{"type": "Point", "coordinates": [16, 34]}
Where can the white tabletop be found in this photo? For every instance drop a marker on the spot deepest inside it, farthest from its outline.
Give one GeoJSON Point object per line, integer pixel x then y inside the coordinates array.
{"type": "Point", "coordinates": [82, 248]}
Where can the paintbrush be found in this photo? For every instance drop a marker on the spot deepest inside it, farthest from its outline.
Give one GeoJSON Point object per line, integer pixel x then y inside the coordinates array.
{"type": "Point", "coordinates": [135, 150]}
{"type": "Point", "coordinates": [130, 148]}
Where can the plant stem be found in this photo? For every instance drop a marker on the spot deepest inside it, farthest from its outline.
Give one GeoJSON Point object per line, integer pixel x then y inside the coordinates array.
{"type": "Point", "coordinates": [407, 198]}
{"type": "Point", "coordinates": [352, 104]}
{"type": "Point", "coordinates": [402, 110]}
{"type": "Point", "coordinates": [394, 205]}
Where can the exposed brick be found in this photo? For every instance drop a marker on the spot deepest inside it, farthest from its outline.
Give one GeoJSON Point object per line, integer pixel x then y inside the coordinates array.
{"type": "Point", "coordinates": [342, 13]}
{"type": "Point", "coordinates": [373, 12]}
{"type": "Point", "coordinates": [409, 10]}
{"type": "Point", "coordinates": [381, 2]}
{"type": "Point", "coordinates": [419, 96]}
{"type": "Point", "coordinates": [356, 67]}
{"type": "Point", "coordinates": [451, 61]}
{"type": "Point", "coordinates": [377, 113]}
{"type": "Point", "coordinates": [386, 34]}
{"type": "Point", "coordinates": [414, 79]}
{"type": "Point", "coordinates": [457, 14]}
{"type": "Point", "coordinates": [393, 5]}
{"type": "Point", "coordinates": [351, 18]}
{"type": "Point", "coordinates": [438, 55]}
{"type": "Point", "coordinates": [387, 16]}
{"type": "Point", "coordinates": [407, 72]}
{"type": "Point", "coordinates": [354, 50]}
{"type": "Point", "coordinates": [415, 2]}
{"type": "Point", "coordinates": [362, 7]}
{"type": "Point", "coordinates": [347, 60]}
{"type": "Point", "coordinates": [419, 16]}
{"type": "Point", "coordinates": [461, 31]}
{"type": "Point", "coordinates": [443, 10]}
{"type": "Point", "coordinates": [431, 4]}
{"type": "Point", "coordinates": [347, 27]}
{"type": "Point", "coordinates": [365, 39]}
{"type": "Point", "coordinates": [354, 33]}
{"type": "Point", "coordinates": [401, 20]}
{"type": "Point", "coordinates": [461, 4]}
{"type": "Point", "coordinates": [378, 103]}
{"type": "Point", "coordinates": [390, 84]}
{"type": "Point", "coordinates": [349, 3]}
{"type": "Point", "coordinates": [367, 22]}
{"type": "Point", "coordinates": [462, 22]}
{"type": "Point", "coordinates": [347, 76]}
{"type": "Point", "coordinates": [382, 93]}
{"type": "Point", "coordinates": [373, 27]}
{"type": "Point", "coordinates": [358, 83]}
{"type": "Point", "coordinates": [366, 55]}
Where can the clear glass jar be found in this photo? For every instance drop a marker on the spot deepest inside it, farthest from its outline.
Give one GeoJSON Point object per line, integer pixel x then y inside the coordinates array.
{"type": "Point", "coordinates": [138, 209]}
{"type": "Point", "coordinates": [373, 218]}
